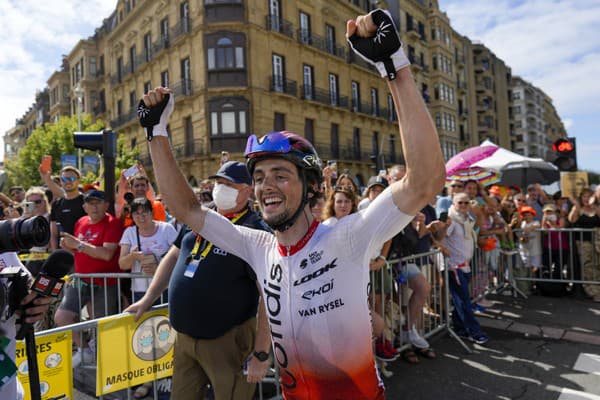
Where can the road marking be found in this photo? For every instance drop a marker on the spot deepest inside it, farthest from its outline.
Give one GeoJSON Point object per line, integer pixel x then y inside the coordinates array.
{"type": "Point", "coordinates": [587, 362]}
{"type": "Point", "coordinates": [569, 394]}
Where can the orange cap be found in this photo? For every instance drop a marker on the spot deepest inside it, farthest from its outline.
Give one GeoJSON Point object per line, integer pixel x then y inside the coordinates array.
{"type": "Point", "coordinates": [527, 209]}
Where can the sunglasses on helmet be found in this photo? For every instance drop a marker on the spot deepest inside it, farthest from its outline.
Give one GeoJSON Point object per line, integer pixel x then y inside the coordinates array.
{"type": "Point", "coordinates": [273, 142]}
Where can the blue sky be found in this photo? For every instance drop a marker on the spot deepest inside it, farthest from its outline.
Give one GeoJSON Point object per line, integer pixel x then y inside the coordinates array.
{"type": "Point", "coordinates": [553, 44]}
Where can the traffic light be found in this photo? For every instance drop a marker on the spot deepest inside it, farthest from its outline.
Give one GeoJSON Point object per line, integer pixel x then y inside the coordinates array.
{"type": "Point", "coordinates": [566, 154]}
{"type": "Point", "coordinates": [104, 142]}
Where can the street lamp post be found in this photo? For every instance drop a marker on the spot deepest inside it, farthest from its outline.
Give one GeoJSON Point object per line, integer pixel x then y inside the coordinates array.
{"type": "Point", "coordinates": [79, 93]}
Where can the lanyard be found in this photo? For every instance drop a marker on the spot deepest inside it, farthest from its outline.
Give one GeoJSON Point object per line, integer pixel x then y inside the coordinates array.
{"type": "Point", "coordinates": [206, 250]}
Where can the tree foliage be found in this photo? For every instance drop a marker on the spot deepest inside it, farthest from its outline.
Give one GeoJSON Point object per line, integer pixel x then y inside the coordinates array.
{"type": "Point", "coordinates": [56, 139]}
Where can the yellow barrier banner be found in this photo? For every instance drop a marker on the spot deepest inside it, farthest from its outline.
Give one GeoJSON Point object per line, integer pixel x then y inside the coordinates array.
{"type": "Point", "coordinates": [131, 353]}
{"type": "Point", "coordinates": [54, 364]}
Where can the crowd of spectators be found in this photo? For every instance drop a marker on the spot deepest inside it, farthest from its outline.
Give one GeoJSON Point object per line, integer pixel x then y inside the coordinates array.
{"type": "Point", "coordinates": [464, 219]}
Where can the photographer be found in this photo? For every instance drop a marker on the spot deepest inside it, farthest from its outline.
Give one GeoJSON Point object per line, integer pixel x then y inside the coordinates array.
{"type": "Point", "coordinates": [35, 309]}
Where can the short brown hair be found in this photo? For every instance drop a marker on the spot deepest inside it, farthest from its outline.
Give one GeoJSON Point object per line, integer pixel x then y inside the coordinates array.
{"type": "Point", "coordinates": [328, 210]}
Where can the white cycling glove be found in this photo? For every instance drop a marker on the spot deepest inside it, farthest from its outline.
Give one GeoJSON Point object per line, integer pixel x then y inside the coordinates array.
{"type": "Point", "coordinates": [384, 49]}
{"type": "Point", "coordinates": [155, 119]}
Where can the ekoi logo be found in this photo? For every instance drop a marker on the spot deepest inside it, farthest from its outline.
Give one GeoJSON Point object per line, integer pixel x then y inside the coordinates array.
{"type": "Point", "coordinates": [272, 291]}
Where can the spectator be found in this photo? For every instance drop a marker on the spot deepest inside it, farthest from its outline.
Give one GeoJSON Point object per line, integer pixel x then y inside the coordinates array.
{"type": "Point", "coordinates": [585, 214]}
{"type": "Point", "coordinates": [444, 202]}
{"type": "Point", "coordinates": [17, 194]}
{"type": "Point", "coordinates": [404, 244]}
{"type": "Point", "coordinates": [66, 209]}
{"type": "Point", "coordinates": [144, 244]}
{"type": "Point", "coordinates": [535, 199]}
{"type": "Point", "coordinates": [530, 244]}
{"type": "Point", "coordinates": [460, 243]}
{"type": "Point", "coordinates": [37, 196]}
{"type": "Point", "coordinates": [556, 244]}
{"type": "Point", "coordinates": [95, 242]}
{"type": "Point", "coordinates": [213, 302]}
{"type": "Point", "coordinates": [317, 205]}
{"type": "Point", "coordinates": [375, 185]}
{"type": "Point", "coordinates": [140, 187]}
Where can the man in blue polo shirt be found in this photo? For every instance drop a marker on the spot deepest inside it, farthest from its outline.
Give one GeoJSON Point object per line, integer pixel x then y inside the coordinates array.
{"type": "Point", "coordinates": [213, 302]}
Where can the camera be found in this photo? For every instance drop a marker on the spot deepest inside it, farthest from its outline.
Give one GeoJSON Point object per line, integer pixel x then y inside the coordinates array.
{"type": "Point", "coordinates": [23, 233]}
{"type": "Point", "coordinates": [128, 197]}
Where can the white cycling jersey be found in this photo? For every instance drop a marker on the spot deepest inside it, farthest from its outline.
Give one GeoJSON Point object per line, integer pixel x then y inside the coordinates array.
{"type": "Point", "coordinates": [316, 298]}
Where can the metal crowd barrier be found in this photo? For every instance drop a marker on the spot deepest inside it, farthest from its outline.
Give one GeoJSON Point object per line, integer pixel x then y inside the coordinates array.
{"type": "Point", "coordinates": [392, 287]}
{"type": "Point", "coordinates": [566, 257]}
{"type": "Point", "coordinates": [90, 324]}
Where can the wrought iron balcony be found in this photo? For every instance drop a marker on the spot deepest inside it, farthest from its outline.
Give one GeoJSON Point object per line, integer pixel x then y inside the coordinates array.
{"type": "Point", "coordinates": [123, 119]}
{"type": "Point", "coordinates": [282, 85]}
{"type": "Point", "coordinates": [278, 24]}
{"type": "Point", "coordinates": [324, 96]}
{"type": "Point", "coordinates": [185, 87]}
{"type": "Point", "coordinates": [189, 149]}
{"type": "Point", "coordinates": [183, 26]}
{"type": "Point", "coordinates": [304, 36]}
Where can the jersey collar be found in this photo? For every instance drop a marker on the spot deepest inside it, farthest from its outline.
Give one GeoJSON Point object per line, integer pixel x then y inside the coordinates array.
{"type": "Point", "coordinates": [291, 250]}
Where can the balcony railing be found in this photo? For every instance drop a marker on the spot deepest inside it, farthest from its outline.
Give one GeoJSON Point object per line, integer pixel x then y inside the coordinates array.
{"type": "Point", "coordinates": [323, 96]}
{"type": "Point", "coordinates": [124, 118]}
{"type": "Point", "coordinates": [189, 149]}
{"type": "Point", "coordinates": [306, 37]}
{"type": "Point", "coordinates": [282, 85]}
{"type": "Point", "coordinates": [277, 24]}
{"type": "Point", "coordinates": [183, 26]}
{"type": "Point", "coordinates": [185, 87]}
{"type": "Point", "coordinates": [355, 59]}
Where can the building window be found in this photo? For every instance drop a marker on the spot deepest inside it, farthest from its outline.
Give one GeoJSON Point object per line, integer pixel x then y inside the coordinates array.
{"type": "Point", "coordinates": [330, 38]}
{"type": "Point", "coordinates": [186, 76]}
{"type": "Point", "coordinates": [147, 47]}
{"type": "Point", "coordinates": [225, 61]}
{"type": "Point", "coordinates": [516, 95]}
{"type": "Point", "coordinates": [309, 129]}
{"type": "Point", "coordinates": [356, 143]}
{"type": "Point", "coordinates": [119, 108]}
{"type": "Point", "coordinates": [374, 102]}
{"type": "Point", "coordinates": [147, 87]}
{"type": "Point", "coordinates": [93, 67]}
{"type": "Point", "coordinates": [132, 56]}
{"type": "Point", "coordinates": [307, 82]}
{"type": "Point", "coordinates": [164, 32]}
{"type": "Point", "coordinates": [335, 141]}
{"type": "Point", "coordinates": [517, 109]}
{"type": "Point", "coordinates": [438, 120]}
{"type": "Point", "coordinates": [278, 121]}
{"type": "Point", "coordinates": [333, 90]}
{"type": "Point", "coordinates": [355, 94]}
{"type": "Point", "coordinates": [304, 33]}
{"type": "Point", "coordinates": [392, 144]}
{"type": "Point", "coordinates": [375, 143]}
{"type": "Point", "coordinates": [119, 69]}
{"type": "Point", "coordinates": [164, 78]}
{"type": "Point", "coordinates": [189, 136]}
{"type": "Point", "coordinates": [132, 100]}
{"type": "Point", "coordinates": [225, 55]}
{"type": "Point", "coordinates": [391, 107]}
{"type": "Point", "coordinates": [228, 116]}
{"type": "Point", "coordinates": [278, 67]}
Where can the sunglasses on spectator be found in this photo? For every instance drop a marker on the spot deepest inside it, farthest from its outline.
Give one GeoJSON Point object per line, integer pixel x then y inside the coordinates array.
{"type": "Point", "coordinates": [37, 201]}
{"type": "Point", "coordinates": [520, 200]}
{"type": "Point", "coordinates": [457, 186]}
{"type": "Point", "coordinates": [68, 178]}
{"type": "Point", "coordinates": [462, 203]}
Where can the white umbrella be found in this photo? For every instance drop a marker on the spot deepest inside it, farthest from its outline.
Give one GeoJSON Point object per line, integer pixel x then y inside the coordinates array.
{"type": "Point", "coordinates": [519, 170]}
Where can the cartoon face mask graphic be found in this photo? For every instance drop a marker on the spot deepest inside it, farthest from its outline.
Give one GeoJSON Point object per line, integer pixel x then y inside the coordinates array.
{"type": "Point", "coordinates": [146, 340]}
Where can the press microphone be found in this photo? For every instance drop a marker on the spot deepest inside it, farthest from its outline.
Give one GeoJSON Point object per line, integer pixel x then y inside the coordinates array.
{"type": "Point", "coordinates": [47, 283]}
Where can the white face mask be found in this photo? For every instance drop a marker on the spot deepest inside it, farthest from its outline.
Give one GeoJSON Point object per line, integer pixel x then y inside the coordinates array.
{"type": "Point", "coordinates": [225, 197]}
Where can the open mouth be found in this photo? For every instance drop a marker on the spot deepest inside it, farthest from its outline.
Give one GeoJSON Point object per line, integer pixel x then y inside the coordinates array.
{"type": "Point", "coordinates": [271, 203]}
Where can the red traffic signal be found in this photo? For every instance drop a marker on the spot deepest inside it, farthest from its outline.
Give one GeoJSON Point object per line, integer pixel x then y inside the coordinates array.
{"type": "Point", "coordinates": [562, 146]}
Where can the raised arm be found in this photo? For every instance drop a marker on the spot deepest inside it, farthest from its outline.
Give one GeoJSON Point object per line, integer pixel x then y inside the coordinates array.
{"type": "Point", "coordinates": [374, 38]}
{"type": "Point", "coordinates": [171, 183]}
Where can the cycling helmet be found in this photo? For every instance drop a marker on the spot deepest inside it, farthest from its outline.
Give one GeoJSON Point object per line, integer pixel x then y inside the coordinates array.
{"type": "Point", "coordinates": [291, 147]}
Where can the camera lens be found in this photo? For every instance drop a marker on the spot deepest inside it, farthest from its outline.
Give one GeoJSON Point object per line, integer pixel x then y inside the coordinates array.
{"type": "Point", "coordinates": [24, 233]}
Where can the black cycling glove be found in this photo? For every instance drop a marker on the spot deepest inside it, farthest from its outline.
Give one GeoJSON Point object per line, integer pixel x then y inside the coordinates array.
{"type": "Point", "coordinates": [155, 119]}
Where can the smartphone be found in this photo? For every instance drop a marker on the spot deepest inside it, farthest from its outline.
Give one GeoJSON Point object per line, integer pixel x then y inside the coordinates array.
{"type": "Point", "coordinates": [131, 171]}
{"type": "Point", "coordinates": [444, 216]}
{"type": "Point", "coordinates": [224, 157]}
{"type": "Point", "coordinates": [46, 164]}
{"type": "Point", "coordinates": [28, 207]}
{"type": "Point", "coordinates": [332, 164]}
{"type": "Point", "coordinates": [59, 228]}
{"type": "Point", "coordinates": [382, 173]}
{"type": "Point", "coordinates": [149, 259]}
